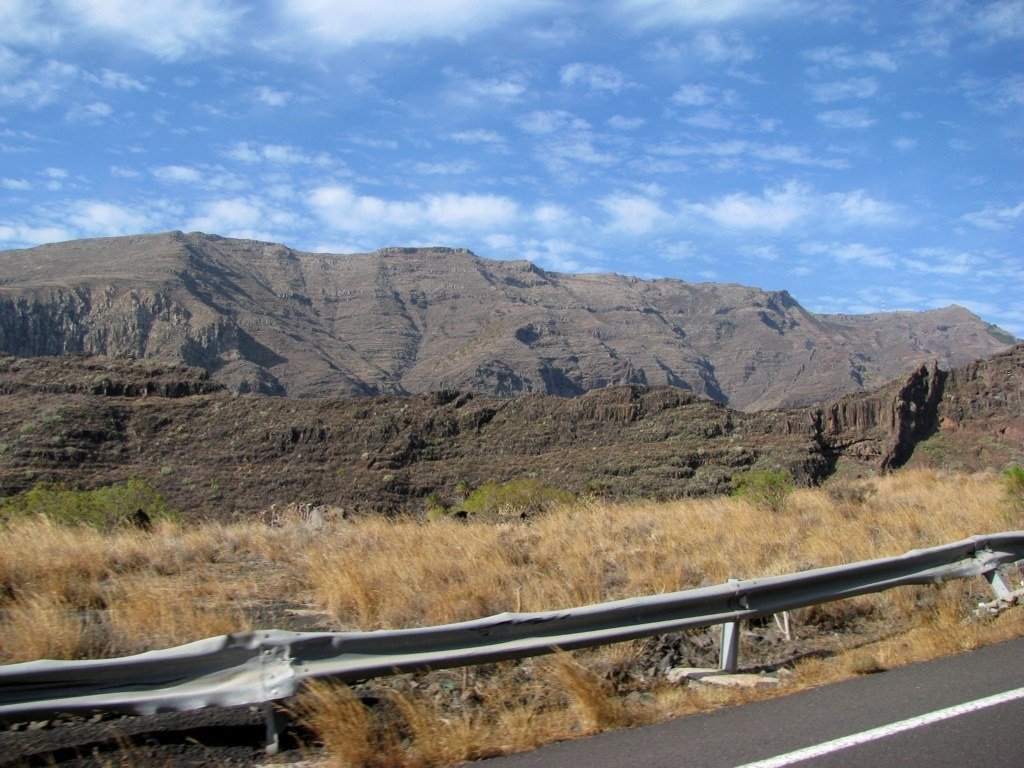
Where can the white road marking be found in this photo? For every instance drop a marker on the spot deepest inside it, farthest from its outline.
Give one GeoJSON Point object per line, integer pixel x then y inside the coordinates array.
{"type": "Point", "coordinates": [881, 732]}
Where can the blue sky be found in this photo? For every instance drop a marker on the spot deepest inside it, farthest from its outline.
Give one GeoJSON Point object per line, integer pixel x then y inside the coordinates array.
{"type": "Point", "coordinates": [863, 155]}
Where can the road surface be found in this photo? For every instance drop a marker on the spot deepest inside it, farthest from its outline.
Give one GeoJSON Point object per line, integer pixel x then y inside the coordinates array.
{"type": "Point", "coordinates": [958, 711]}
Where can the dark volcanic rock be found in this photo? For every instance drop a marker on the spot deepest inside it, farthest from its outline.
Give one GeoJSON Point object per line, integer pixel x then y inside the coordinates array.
{"type": "Point", "coordinates": [212, 452]}
{"type": "Point", "coordinates": [263, 318]}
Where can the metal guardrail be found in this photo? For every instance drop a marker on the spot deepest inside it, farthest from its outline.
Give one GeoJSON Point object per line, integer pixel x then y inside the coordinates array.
{"type": "Point", "coordinates": [259, 667]}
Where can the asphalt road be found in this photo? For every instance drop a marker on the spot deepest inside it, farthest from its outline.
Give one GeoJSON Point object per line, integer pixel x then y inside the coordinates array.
{"type": "Point", "coordinates": [992, 735]}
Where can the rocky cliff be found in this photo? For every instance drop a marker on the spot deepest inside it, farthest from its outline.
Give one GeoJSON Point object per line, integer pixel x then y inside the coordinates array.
{"type": "Point", "coordinates": [260, 317]}
{"type": "Point", "coordinates": [91, 422]}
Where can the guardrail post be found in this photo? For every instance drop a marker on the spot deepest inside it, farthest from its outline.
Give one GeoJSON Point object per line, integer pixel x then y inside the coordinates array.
{"type": "Point", "coordinates": [999, 585]}
{"type": "Point", "coordinates": [275, 722]}
{"type": "Point", "coordinates": [729, 653]}
{"type": "Point", "coordinates": [729, 656]}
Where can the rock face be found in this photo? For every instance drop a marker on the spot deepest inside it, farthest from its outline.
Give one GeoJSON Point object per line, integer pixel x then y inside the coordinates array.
{"type": "Point", "coordinates": [261, 317]}
{"type": "Point", "coordinates": [91, 422]}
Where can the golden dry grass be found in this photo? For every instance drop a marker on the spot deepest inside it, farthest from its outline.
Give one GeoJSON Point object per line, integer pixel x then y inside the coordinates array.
{"type": "Point", "coordinates": [67, 593]}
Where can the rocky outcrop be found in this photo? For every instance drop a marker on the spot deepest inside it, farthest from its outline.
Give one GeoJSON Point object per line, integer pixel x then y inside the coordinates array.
{"type": "Point", "coordinates": [105, 377]}
{"type": "Point", "coordinates": [92, 421]}
{"type": "Point", "coordinates": [262, 318]}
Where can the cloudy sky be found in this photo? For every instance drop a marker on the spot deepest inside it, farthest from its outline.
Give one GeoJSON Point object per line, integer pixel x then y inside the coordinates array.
{"type": "Point", "coordinates": [865, 155]}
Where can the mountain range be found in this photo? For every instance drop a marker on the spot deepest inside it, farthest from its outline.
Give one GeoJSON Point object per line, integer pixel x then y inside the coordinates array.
{"type": "Point", "coordinates": [264, 318]}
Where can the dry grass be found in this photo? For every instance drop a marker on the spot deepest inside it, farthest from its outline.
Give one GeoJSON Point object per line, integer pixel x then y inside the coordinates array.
{"type": "Point", "coordinates": [346, 729]}
{"type": "Point", "coordinates": [387, 573]}
{"type": "Point", "coordinates": [72, 593]}
{"type": "Point", "coordinates": [591, 699]}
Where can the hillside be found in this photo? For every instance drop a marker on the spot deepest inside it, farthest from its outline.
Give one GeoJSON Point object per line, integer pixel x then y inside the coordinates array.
{"type": "Point", "coordinates": [89, 422]}
{"type": "Point", "coordinates": [264, 318]}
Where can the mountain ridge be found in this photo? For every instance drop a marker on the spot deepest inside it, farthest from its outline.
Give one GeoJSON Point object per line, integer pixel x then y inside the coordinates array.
{"type": "Point", "coordinates": [262, 317]}
{"type": "Point", "coordinates": [88, 422]}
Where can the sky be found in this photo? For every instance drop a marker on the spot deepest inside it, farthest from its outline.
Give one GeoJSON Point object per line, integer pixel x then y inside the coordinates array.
{"type": "Point", "coordinates": [864, 155]}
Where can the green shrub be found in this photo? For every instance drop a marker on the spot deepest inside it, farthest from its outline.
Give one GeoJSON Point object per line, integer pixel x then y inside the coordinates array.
{"type": "Point", "coordinates": [1013, 486]}
{"type": "Point", "coordinates": [102, 508]}
{"type": "Point", "coordinates": [765, 488]}
{"type": "Point", "coordinates": [515, 498]}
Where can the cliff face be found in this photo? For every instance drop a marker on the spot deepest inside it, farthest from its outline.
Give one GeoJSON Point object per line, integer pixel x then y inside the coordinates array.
{"type": "Point", "coordinates": [89, 422]}
{"type": "Point", "coordinates": [975, 410]}
{"type": "Point", "coordinates": [260, 317]}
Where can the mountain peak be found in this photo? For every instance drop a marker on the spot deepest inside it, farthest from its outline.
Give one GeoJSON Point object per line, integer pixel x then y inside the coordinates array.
{"type": "Point", "coordinates": [263, 317]}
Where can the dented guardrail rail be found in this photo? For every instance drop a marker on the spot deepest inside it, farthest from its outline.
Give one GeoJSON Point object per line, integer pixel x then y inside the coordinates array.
{"type": "Point", "coordinates": [259, 667]}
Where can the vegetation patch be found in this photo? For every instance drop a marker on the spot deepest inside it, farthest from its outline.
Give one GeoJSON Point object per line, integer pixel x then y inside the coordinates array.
{"type": "Point", "coordinates": [765, 488]}
{"type": "Point", "coordinates": [518, 498]}
{"type": "Point", "coordinates": [134, 501]}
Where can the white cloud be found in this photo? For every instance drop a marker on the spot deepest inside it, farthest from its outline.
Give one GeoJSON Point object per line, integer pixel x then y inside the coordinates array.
{"type": "Point", "coordinates": [843, 57]}
{"type": "Point", "coordinates": [550, 121]}
{"type": "Point", "coordinates": [36, 85]}
{"type": "Point", "coordinates": [694, 95]}
{"type": "Point", "coordinates": [343, 209]}
{"type": "Point", "coordinates": [271, 97]}
{"type": "Point", "coordinates": [938, 261]}
{"type": "Point", "coordinates": [55, 173]}
{"type": "Point", "coordinates": [622, 123]}
{"type": "Point", "coordinates": [711, 119]}
{"type": "Point", "coordinates": [995, 218]}
{"type": "Point", "coordinates": [710, 46]}
{"type": "Point", "coordinates": [93, 217]}
{"type": "Point", "coordinates": [700, 95]}
{"type": "Point", "coordinates": [782, 208]}
{"type": "Point", "coordinates": [123, 173]}
{"type": "Point", "coordinates": [509, 88]}
{"type": "Point", "coordinates": [846, 118]}
{"type": "Point", "coordinates": [372, 142]}
{"type": "Point", "coordinates": [760, 252]}
{"type": "Point", "coordinates": [561, 255]}
{"type": "Point", "coordinates": [454, 168]}
{"type": "Point", "coordinates": [552, 215]}
{"type": "Point", "coordinates": [229, 216]}
{"type": "Point", "coordinates": [649, 13]}
{"type": "Point", "coordinates": [96, 112]}
{"type": "Point", "coordinates": [858, 206]}
{"type": "Point", "coordinates": [561, 154]}
{"type": "Point", "coordinates": [854, 88]}
{"type": "Point", "coordinates": [775, 209]}
{"type": "Point", "coordinates": [335, 24]}
{"type": "Point", "coordinates": [29, 23]}
{"type": "Point", "coordinates": [116, 81]}
{"type": "Point", "coordinates": [275, 154]}
{"type": "Point", "coordinates": [856, 253]}
{"type": "Point", "coordinates": [1002, 20]}
{"type": "Point", "coordinates": [168, 29]}
{"type": "Point", "coordinates": [904, 143]}
{"type": "Point", "coordinates": [177, 174]}
{"type": "Point", "coordinates": [715, 47]}
{"type": "Point", "coordinates": [16, 185]}
{"type": "Point", "coordinates": [683, 250]}
{"type": "Point", "coordinates": [596, 77]}
{"type": "Point", "coordinates": [633, 214]}
{"type": "Point", "coordinates": [479, 136]}
{"type": "Point", "coordinates": [737, 148]}
{"type": "Point", "coordinates": [501, 242]}
{"type": "Point", "coordinates": [21, 235]}
{"type": "Point", "coordinates": [991, 95]}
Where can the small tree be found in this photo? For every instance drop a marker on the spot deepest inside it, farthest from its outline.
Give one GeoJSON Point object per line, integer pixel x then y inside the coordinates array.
{"type": "Point", "coordinates": [1013, 488]}
{"type": "Point", "coordinates": [765, 488]}
{"type": "Point", "coordinates": [515, 498]}
{"type": "Point", "coordinates": [102, 508]}
{"type": "Point", "coordinates": [435, 504]}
